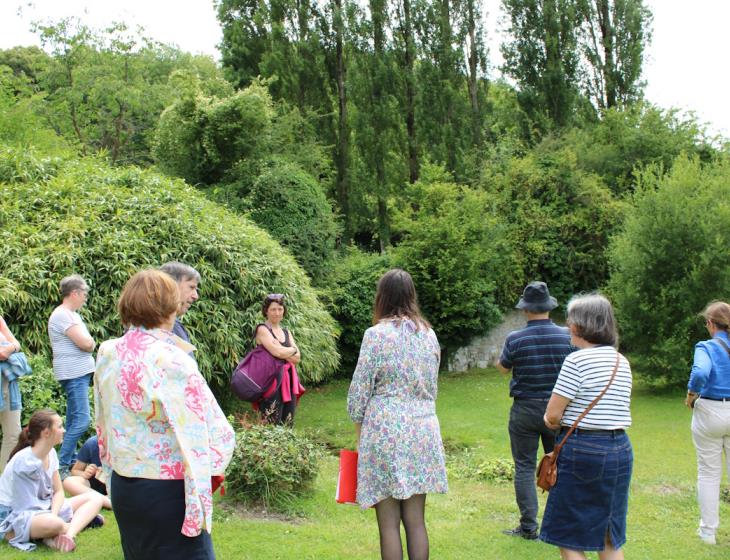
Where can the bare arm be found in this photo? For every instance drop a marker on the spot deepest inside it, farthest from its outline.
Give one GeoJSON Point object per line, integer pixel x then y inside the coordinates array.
{"type": "Point", "coordinates": [294, 359]}
{"type": "Point", "coordinates": [84, 470]}
{"type": "Point", "coordinates": [503, 369]}
{"type": "Point", "coordinates": [80, 338]}
{"type": "Point", "coordinates": [58, 495]}
{"type": "Point", "coordinates": [13, 344]}
{"type": "Point", "coordinates": [274, 347]}
{"type": "Point", "coordinates": [358, 428]}
{"type": "Point", "coordinates": [555, 409]}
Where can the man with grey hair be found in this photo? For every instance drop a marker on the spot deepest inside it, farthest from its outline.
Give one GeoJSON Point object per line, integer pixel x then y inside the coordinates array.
{"type": "Point", "coordinates": [187, 279]}
{"type": "Point", "coordinates": [534, 355]}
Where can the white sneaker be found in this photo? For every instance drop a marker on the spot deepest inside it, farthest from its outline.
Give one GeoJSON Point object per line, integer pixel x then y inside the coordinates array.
{"type": "Point", "coordinates": [706, 538]}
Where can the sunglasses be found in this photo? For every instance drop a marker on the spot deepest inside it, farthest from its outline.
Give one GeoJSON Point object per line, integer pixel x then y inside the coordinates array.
{"type": "Point", "coordinates": [275, 296]}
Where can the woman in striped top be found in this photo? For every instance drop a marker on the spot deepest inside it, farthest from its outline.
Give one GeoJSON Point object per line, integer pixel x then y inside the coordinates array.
{"type": "Point", "coordinates": [586, 509]}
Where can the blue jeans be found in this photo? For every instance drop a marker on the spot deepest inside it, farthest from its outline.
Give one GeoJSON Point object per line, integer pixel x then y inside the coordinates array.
{"type": "Point", "coordinates": [78, 416]}
{"type": "Point", "coordinates": [526, 430]}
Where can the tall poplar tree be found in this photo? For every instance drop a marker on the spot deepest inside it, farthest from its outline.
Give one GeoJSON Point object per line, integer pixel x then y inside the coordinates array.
{"type": "Point", "coordinates": [614, 37]}
{"type": "Point", "coordinates": [542, 56]}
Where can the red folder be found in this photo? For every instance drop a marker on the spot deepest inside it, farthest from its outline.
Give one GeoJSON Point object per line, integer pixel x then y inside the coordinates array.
{"type": "Point", "coordinates": [347, 478]}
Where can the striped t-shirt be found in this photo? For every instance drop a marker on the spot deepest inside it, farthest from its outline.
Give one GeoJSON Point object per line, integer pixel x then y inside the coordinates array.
{"type": "Point", "coordinates": [69, 361]}
{"type": "Point", "coordinates": [535, 354]}
{"type": "Point", "coordinates": [583, 376]}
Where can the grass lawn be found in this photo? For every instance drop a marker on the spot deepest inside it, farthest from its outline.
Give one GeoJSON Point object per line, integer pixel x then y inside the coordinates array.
{"type": "Point", "coordinates": [465, 523]}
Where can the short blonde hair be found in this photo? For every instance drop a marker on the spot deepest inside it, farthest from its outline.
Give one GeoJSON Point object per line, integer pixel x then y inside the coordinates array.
{"type": "Point", "coordinates": [148, 299]}
{"type": "Point", "coordinates": [718, 312]}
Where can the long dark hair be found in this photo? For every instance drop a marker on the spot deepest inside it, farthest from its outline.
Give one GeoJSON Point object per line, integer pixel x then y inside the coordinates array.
{"type": "Point", "coordinates": [396, 297]}
{"type": "Point", "coordinates": [40, 420]}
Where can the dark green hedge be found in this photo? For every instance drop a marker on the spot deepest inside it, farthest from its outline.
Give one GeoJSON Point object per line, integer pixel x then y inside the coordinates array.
{"type": "Point", "coordinates": [81, 216]}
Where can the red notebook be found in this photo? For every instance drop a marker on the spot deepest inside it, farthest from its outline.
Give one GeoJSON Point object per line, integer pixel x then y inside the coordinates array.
{"type": "Point", "coordinates": [347, 478]}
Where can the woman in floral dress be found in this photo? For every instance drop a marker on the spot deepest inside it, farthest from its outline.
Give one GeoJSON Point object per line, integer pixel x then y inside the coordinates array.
{"type": "Point", "coordinates": [392, 402]}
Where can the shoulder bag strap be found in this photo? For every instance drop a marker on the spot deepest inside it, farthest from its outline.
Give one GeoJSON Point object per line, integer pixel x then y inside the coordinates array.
{"type": "Point", "coordinates": [588, 408]}
{"type": "Point", "coordinates": [723, 344]}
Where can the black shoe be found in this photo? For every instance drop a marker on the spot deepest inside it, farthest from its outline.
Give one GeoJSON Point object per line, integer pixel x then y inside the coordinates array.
{"type": "Point", "coordinates": [520, 532]}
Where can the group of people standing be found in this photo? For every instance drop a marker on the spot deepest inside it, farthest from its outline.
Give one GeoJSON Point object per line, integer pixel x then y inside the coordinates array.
{"type": "Point", "coordinates": [570, 387]}
{"type": "Point", "coordinates": [164, 443]}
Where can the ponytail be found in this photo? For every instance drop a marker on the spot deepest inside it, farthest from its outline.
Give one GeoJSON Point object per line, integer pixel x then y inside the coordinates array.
{"type": "Point", "coordinates": [39, 421]}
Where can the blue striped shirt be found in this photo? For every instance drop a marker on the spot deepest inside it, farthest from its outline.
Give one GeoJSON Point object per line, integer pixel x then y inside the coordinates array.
{"type": "Point", "coordinates": [535, 355]}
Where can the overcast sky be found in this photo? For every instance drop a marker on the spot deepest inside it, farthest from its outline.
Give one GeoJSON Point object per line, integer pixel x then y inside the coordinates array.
{"type": "Point", "coordinates": [685, 66]}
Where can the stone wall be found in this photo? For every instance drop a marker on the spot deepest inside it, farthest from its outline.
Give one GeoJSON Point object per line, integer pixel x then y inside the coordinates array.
{"type": "Point", "coordinates": [484, 351]}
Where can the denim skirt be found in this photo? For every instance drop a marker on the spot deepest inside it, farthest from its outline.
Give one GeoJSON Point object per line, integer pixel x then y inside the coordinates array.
{"type": "Point", "coordinates": [590, 498]}
{"type": "Point", "coordinates": [150, 514]}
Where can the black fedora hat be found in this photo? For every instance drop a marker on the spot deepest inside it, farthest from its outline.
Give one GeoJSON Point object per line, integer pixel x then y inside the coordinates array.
{"type": "Point", "coordinates": [536, 298]}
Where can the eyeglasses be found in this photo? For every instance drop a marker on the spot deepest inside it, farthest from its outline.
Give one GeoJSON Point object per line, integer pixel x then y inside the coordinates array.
{"type": "Point", "coordinates": [275, 296]}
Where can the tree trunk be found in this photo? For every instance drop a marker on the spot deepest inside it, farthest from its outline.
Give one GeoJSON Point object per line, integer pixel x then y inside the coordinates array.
{"type": "Point", "coordinates": [410, 55]}
{"type": "Point", "coordinates": [342, 150]}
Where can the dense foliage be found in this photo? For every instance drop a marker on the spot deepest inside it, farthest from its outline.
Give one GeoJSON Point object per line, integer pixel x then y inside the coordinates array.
{"type": "Point", "coordinates": [81, 216]}
{"type": "Point", "coordinates": [669, 261]}
{"type": "Point", "coordinates": [456, 248]}
{"type": "Point", "coordinates": [271, 465]}
{"type": "Point", "coordinates": [349, 293]}
{"type": "Point", "coordinates": [286, 201]}
{"type": "Point", "coordinates": [559, 218]}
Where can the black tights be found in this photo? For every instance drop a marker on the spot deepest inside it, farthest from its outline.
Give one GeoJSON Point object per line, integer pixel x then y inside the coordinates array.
{"type": "Point", "coordinates": [390, 512]}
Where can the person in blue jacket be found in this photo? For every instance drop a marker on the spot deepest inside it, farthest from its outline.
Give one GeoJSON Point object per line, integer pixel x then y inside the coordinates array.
{"type": "Point", "coordinates": [708, 394]}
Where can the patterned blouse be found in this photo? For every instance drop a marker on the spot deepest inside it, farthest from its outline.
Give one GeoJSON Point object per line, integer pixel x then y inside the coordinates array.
{"type": "Point", "coordinates": [156, 418]}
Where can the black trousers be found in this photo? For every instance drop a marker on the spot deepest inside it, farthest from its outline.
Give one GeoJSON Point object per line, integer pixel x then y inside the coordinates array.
{"type": "Point", "coordinates": [150, 514]}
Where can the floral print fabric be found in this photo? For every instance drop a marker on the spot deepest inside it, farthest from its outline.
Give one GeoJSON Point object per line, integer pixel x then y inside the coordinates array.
{"type": "Point", "coordinates": [393, 396]}
{"type": "Point", "coordinates": [156, 418]}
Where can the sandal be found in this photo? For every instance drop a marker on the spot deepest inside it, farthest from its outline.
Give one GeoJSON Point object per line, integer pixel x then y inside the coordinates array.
{"type": "Point", "coordinates": [62, 543]}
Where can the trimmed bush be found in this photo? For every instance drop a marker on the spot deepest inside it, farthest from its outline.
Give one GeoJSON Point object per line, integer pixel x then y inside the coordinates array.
{"type": "Point", "coordinates": [271, 465]}
{"type": "Point", "coordinates": [107, 223]}
{"type": "Point", "coordinates": [288, 202]}
{"type": "Point", "coordinates": [669, 261]}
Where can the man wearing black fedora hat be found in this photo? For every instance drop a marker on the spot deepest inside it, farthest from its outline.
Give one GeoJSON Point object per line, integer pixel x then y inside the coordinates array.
{"type": "Point", "coordinates": [534, 356]}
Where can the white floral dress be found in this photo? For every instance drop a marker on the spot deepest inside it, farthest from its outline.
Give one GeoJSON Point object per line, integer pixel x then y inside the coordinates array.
{"type": "Point", "coordinates": [393, 396]}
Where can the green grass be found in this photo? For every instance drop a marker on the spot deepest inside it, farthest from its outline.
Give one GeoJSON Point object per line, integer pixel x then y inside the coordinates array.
{"type": "Point", "coordinates": [465, 523]}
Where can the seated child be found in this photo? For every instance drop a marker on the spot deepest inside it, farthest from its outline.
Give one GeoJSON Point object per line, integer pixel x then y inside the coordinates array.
{"type": "Point", "coordinates": [86, 471]}
{"type": "Point", "coordinates": [32, 503]}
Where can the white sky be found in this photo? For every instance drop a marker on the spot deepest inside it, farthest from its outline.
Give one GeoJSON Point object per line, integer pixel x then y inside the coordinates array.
{"type": "Point", "coordinates": [686, 65]}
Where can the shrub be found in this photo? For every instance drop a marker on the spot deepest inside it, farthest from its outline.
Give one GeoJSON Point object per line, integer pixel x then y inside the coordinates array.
{"type": "Point", "coordinates": [455, 247]}
{"type": "Point", "coordinates": [349, 295]}
{"type": "Point", "coordinates": [467, 465]}
{"type": "Point", "coordinates": [271, 465]}
{"type": "Point", "coordinates": [107, 223]}
{"type": "Point", "coordinates": [669, 261]}
{"type": "Point", "coordinates": [41, 390]}
{"type": "Point", "coordinates": [560, 219]}
{"type": "Point", "coordinates": [288, 202]}
{"type": "Point", "coordinates": [200, 138]}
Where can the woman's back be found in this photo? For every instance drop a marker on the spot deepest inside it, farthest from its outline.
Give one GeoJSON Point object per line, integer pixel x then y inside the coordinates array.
{"type": "Point", "coordinates": [402, 360]}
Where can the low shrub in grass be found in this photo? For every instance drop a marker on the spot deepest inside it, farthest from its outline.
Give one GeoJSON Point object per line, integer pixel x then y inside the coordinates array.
{"type": "Point", "coordinates": [271, 465]}
{"type": "Point", "coordinates": [467, 464]}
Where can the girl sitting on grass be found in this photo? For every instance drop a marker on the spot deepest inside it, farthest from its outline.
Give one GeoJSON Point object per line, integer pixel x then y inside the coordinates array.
{"type": "Point", "coordinates": [32, 503]}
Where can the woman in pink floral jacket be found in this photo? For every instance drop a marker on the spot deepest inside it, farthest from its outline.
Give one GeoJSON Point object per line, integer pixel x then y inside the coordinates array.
{"type": "Point", "coordinates": [162, 435]}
